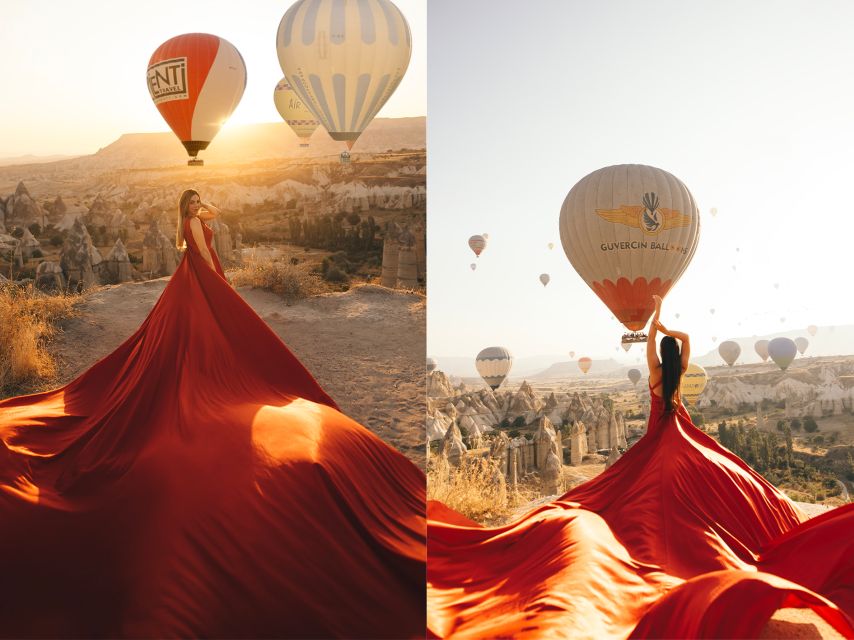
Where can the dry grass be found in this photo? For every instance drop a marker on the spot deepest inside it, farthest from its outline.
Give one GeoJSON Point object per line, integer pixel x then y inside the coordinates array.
{"type": "Point", "coordinates": [476, 489]}
{"type": "Point", "coordinates": [292, 282]}
{"type": "Point", "coordinates": [27, 322]}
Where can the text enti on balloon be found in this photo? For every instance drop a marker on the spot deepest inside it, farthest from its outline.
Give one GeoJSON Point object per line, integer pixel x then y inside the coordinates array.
{"type": "Point", "coordinates": [167, 80]}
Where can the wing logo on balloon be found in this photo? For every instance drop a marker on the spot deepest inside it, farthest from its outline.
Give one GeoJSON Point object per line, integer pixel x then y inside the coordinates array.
{"type": "Point", "coordinates": [167, 80]}
{"type": "Point", "coordinates": [648, 217]}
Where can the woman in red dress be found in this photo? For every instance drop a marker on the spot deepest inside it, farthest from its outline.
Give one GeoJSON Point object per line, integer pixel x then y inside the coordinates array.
{"type": "Point", "coordinates": [198, 482]}
{"type": "Point", "coordinates": [678, 539]}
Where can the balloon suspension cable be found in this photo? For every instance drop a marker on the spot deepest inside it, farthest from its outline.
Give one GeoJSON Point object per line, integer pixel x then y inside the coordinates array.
{"type": "Point", "coordinates": [634, 336]}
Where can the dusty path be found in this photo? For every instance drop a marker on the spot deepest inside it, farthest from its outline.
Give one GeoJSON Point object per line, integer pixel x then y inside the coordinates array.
{"type": "Point", "coordinates": [365, 347]}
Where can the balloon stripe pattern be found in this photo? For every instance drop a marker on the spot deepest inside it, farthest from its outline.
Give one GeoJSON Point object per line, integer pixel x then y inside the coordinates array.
{"type": "Point", "coordinates": [630, 231]}
{"type": "Point", "coordinates": [196, 80]}
{"type": "Point", "coordinates": [493, 364]}
{"type": "Point", "coordinates": [294, 112]}
{"type": "Point", "coordinates": [693, 382]}
{"type": "Point", "coordinates": [344, 58]}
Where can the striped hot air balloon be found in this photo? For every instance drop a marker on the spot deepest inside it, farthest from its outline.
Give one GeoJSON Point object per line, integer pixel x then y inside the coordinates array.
{"type": "Point", "coordinates": [344, 58]}
{"type": "Point", "coordinates": [493, 364]}
{"type": "Point", "coordinates": [630, 232]}
{"type": "Point", "coordinates": [693, 382]}
{"type": "Point", "coordinates": [477, 244]}
{"type": "Point", "coordinates": [584, 364]}
{"type": "Point", "coordinates": [761, 347]}
{"type": "Point", "coordinates": [294, 112]}
{"type": "Point", "coordinates": [196, 81]}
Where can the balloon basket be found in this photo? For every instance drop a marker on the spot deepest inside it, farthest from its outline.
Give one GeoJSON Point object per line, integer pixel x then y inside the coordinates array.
{"type": "Point", "coordinates": [195, 162]}
{"type": "Point", "coordinates": [631, 338]}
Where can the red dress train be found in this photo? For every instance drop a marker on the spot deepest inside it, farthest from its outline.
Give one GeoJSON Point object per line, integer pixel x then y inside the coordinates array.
{"type": "Point", "coordinates": [678, 539]}
{"type": "Point", "coordinates": [197, 481]}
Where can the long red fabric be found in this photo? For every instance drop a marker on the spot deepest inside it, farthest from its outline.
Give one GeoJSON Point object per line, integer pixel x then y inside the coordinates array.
{"type": "Point", "coordinates": [678, 539]}
{"type": "Point", "coordinates": [198, 482]}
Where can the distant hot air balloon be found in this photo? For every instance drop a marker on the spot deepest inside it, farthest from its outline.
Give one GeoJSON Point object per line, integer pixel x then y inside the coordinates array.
{"type": "Point", "coordinates": [812, 329]}
{"type": "Point", "coordinates": [294, 112]}
{"type": "Point", "coordinates": [714, 338]}
{"type": "Point", "coordinates": [551, 245]}
{"type": "Point", "coordinates": [485, 236]}
{"type": "Point", "coordinates": [477, 244]}
{"type": "Point", "coordinates": [629, 231]}
{"type": "Point", "coordinates": [572, 354]}
{"type": "Point", "coordinates": [693, 382]}
{"type": "Point", "coordinates": [729, 350]}
{"type": "Point", "coordinates": [493, 364]}
{"type": "Point", "coordinates": [712, 311]}
{"type": "Point", "coordinates": [344, 59]}
{"type": "Point", "coordinates": [544, 278]}
{"type": "Point", "coordinates": [761, 347]}
{"type": "Point", "coordinates": [634, 376]}
{"type": "Point", "coordinates": [713, 211]}
{"type": "Point", "coordinates": [677, 316]}
{"type": "Point", "coordinates": [431, 364]}
{"type": "Point", "coordinates": [782, 351]}
{"type": "Point", "coordinates": [626, 346]}
{"type": "Point", "coordinates": [196, 81]}
{"type": "Point", "coordinates": [783, 319]}
{"type": "Point", "coordinates": [776, 285]}
{"type": "Point", "coordinates": [802, 344]}
{"type": "Point", "coordinates": [473, 266]}
{"type": "Point", "coordinates": [584, 364]}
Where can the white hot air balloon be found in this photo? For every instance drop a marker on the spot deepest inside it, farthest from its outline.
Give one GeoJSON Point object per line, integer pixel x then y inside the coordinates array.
{"type": "Point", "coordinates": [545, 278]}
{"type": "Point", "coordinates": [802, 344]}
{"type": "Point", "coordinates": [713, 211]}
{"type": "Point", "coordinates": [485, 236]}
{"type": "Point", "coordinates": [572, 354]}
{"type": "Point", "coordinates": [473, 266]}
{"type": "Point", "coordinates": [493, 364]}
{"type": "Point", "coordinates": [729, 350]}
{"type": "Point", "coordinates": [626, 346]}
{"type": "Point", "coordinates": [630, 232]}
{"type": "Point", "coordinates": [294, 112]}
{"type": "Point", "coordinates": [812, 329]}
{"type": "Point", "coordinates": [344, 59]}
{"type": "Point", "coordinates": [551, 245]}
{"type": "Point", "coordinates": [431, 364]}
{"type": "Point", "coordinates": [761, 348]}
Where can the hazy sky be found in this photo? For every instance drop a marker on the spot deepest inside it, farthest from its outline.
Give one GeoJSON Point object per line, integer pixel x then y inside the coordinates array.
{"type": "Point", "coordinates": [750, 104]}
{"type": "Point", "coordinates": [74, 72]}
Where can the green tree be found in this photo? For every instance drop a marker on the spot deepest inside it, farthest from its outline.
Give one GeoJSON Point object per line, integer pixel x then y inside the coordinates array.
{"type": "Point", "coordinates": [796, 424]}
{"type": "Point", "coordinates": [519, 422]}
{"type": "Point", "coordinates": [810, 425]}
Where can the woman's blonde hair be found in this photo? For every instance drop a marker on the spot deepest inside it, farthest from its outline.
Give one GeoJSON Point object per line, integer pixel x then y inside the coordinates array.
{"type": "Point", "coordinates": [183, 209]}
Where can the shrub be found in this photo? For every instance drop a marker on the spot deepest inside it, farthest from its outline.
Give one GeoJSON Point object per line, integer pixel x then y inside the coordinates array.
{"type": "Point", "coordinates": [35, 228]}
{"type": "Point", "coordinates": [810, 425]}
{"type": "Point", "coordinates": [57, 240]}
{"type": "Point", "coordinates": [796, 424]}
{"type": "Point", "coordinates": [519, 421]}
{"type": "Point", "coordinates": [38, 253]}
{"type": "Point", "coordinates": [333, 274]}
{"type": "Point", "coordinates": [287, 280]}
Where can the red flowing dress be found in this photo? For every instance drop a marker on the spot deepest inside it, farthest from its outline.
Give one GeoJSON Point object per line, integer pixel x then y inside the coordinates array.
{"type": "Point", "coordinates": [198, 482]}
{"type": "Point", "coordinates": [678, 539]}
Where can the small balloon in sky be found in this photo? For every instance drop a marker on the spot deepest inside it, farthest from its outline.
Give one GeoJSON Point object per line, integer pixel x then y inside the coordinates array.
{"type": "Point", "coordinates": [712, 311]}
{"type": "Point", "coordinates": [677, 316]}
{"type": "Point", "coordinates": [782, 319]}
{"type": "Point", "coordinates": [713, 211]}
{"type": "Point", "coordinates": [776, 285]}
{"type": "Point", "coordinates": [473, 266]}
{"type": "Point", "coordinates": [551, 245]}
{"type": "Point", "coordinates": [485, 236]}
{"type": "Point", "coordinates": [544, 278]}
{"type": "Point", "coordinates": [714, 338]}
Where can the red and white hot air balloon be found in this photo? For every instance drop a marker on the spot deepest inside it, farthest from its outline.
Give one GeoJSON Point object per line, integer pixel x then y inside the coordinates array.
{"type": "Point", "coordinates": [584, 364]}
{"type": "Point", "coordinates": [630, 232]}
{"type": "Point", "coordinates": [294, 112]}
{"type": "Point", "coordinates": [196, 81]}
{"type": "Point", "coordinates": [477, 243]}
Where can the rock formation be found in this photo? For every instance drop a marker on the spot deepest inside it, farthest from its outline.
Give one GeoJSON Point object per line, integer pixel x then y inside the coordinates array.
{"type": "Point", "coordinates": [80, 260]}
{"type": "Point", "coordinates": [159, 255]}
{"type": "Point", "coordinates": [117, 266]}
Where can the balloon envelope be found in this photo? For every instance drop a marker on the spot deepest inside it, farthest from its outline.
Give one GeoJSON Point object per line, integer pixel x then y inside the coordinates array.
{"type": "Point", "coordinates": [431, 364]}
{"type": "Point", "coordinates": [812, 329]}
{"type": "Point", "coordinates": [294, 112]}
{"type": "Point", "coordinates": [493, 364]}
{"type": "Point", "coordinates": [544, 278]}
{"type": "Point", "coordinates": [344, 59]}
{"type": "Point", "coordinates": [782, 351]}
{"type": "Point", "coordinates": [473, 266]}
{"type": "Point", "coordinates": [477, 244]}
{"type": "Point", "coordinates": [729, 350]}
{"type": "Point", "coordinates": [196, 81]}
{"type": "Point", "coordinates": [572, 354]}
{"type": "Point", "coordinates": [626, 346]}
{"type": "Point", "coordinates": [634, 376]}
{"type": "Point", "coordinates": [761, 347]}
{"type": "Point", "coordinates": [693, 382]}
{"type": "Point", "coordinates": [629, 231]}
{"type": "Point", "coordinates": [802, 344]}
{"type": "Point", "coordinates": [551, 245]}
{"type": "Point", "coordinates": [584, 364]}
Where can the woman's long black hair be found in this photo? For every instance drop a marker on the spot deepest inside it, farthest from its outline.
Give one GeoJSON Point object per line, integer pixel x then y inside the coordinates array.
{"type": "Point", "coordinates": [671, 370]}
